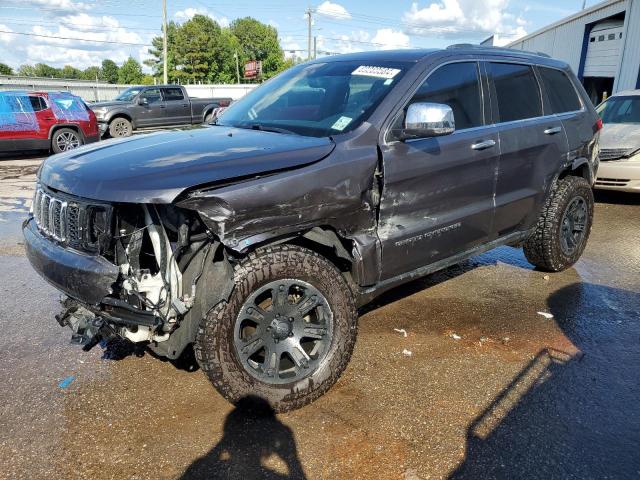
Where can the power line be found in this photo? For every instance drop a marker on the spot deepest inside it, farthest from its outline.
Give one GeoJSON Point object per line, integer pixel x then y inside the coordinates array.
{"type": "Point", "coordinates": [76, 39]}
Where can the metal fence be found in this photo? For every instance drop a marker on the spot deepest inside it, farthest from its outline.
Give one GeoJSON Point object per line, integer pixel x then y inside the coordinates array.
{"type": "Point", "coordinates": [91, 91]}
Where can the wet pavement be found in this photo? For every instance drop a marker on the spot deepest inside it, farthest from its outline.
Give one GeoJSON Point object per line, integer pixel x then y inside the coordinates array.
{"type": "Point", "coordinates": [492, 388]}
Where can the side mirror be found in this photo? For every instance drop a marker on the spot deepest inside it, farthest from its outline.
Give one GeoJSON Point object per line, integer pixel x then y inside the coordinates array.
{"type": "Point", "coordinates": [428, 120]}
{"type": "Point", "coordinates": [143, 101]}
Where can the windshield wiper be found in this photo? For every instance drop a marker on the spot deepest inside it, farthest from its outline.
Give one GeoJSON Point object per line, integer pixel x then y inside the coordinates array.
{"type": "Point", "coordinates": [263, 128]}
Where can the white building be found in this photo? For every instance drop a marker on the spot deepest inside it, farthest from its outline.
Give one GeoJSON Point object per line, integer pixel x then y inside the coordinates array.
{"type": "Point", "coordinates": [601, 43]}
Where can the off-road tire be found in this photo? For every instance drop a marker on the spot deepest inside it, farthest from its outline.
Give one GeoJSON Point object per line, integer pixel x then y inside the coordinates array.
{"type": "Point", "coordinates": [214, 346]}
{"type": "Point", "coordinates": [208, 118]}
{"type": "Point", "coordinates": [120, 127]}
{"type": "Point", "coordinates": [65, 139]}
{"type": "Point", "coordinates": [543, 247]}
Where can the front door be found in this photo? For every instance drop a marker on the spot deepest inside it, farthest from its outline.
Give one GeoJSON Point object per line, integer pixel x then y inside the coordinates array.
{"type": "Point", "coordinates": [438, 192]}
{"type": "Point", "coordinates": [150, 112]}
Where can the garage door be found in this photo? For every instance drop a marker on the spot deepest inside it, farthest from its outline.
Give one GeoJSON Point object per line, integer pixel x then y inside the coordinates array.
{"type": "Point", "coordinates": [603, 52]}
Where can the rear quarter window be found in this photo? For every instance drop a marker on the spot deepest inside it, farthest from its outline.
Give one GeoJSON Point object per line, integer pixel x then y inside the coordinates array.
{"type": "Point", "coordinates": [37, 103]}
{"type": "Point", "coordinates": [560, 91]}
{"type": "Point", "coordinates": [517, 91]}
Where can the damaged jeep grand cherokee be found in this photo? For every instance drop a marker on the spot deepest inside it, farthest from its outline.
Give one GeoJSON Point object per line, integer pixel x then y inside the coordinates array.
{"type": "Point", "coordinates": [255, 240]}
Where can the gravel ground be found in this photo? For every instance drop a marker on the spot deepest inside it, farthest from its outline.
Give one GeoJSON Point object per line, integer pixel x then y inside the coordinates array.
{"type": "Point", "coordinates": [492, 388]}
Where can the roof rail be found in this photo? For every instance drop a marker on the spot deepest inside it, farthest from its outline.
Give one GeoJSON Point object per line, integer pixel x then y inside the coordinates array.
{"type": "Point", "coordinates": [473, 46]}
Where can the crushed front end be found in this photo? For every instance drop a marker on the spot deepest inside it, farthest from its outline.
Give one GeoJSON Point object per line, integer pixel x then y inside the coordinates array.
{"type": "Point", "coordinates": [147, 273]}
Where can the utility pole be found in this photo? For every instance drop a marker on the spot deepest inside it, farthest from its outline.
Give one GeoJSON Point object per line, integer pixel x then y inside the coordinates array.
{"type": "Point", "coordinates": [165, 75]}
{"type": "Point", "coordinates": [315, 47]}
{"type": "Point", "coordinates": [237, 66]}
{"type": "Point", "coordinates": [309, 21]}
{"type": "Point", "coordinates": [584, 4]}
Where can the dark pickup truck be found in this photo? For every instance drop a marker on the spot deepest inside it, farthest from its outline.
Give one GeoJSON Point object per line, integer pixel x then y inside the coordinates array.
{"type": "Point", "coordinates": [154, 106]}
{"type": "Point", "coordinates": [255, 240]}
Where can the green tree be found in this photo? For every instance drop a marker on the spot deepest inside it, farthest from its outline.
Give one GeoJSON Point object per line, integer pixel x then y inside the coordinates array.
{"type": "Point", "coordinates": [259, 42]}
{"type": "Point", "coordinates": [197, 49]}
{"type": "Point", "coordinates": [44, 70]}
{"type": "Point", "coordinates": [70, 72]}
{"type": "Point", "coordinates": [109, 71]}
{"type": "Point", "coordinates": [26, 70]}
{"type": "Point", "coordinates": [156, 62]}
{"type": "Point", "coordinates": [5, 69]}
{"type": "Point", "coordinates": [130, 72]}
{"type": "Point", "coordinates": [91, 73]}
{"type": "Point", "coordinates": [147, 80]}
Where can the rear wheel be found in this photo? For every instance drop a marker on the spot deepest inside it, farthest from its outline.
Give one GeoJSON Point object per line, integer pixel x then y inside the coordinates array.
{"type": "Point", "coordinates": [563, 228]}
{"type": "Point", "coordinates": [65, 139]}
{"type": "Point", "coordinates": [120, 127]}
{"type": "Point", "coordinates": [286, 333]}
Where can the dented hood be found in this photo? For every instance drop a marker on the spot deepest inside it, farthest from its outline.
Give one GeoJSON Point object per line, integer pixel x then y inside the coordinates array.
{"type": "Point", "coordinates": [156, 168]}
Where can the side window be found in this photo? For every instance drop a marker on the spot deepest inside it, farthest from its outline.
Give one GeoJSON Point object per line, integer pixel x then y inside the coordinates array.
{"type": "Point", "coordinates": [456, 85]}
{"type": "Point", "coordinates": [172, 93]}
{"type": "Point", "coordinates": [152, 95]}
{"type": "Point", "coordinates": [37, 103]}
{"type": "Point", "coordinates": [562, 95]}
{"type": "Point", "coordinates": [517, 91]}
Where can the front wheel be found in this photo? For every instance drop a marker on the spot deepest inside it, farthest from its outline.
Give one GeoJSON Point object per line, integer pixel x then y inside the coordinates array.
{"type": "Point", "coordinates": [120, 127]}
{"type": "Point", "coordinates": [286, 333]}
{"type": "Point", "coordinates": [563, 228]}
{"type": "Point", "coordinates": [65, 139]}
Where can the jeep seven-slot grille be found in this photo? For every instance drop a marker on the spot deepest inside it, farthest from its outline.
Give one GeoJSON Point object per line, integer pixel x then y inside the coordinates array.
{"type": "Point", "coordinates": [57, 218]}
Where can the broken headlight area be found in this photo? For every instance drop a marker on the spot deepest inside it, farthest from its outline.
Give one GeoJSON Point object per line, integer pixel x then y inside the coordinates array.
{"type": "Point", "coordinates": [80, 224]}
{"type": "Point", "coordinates": [161, 253]}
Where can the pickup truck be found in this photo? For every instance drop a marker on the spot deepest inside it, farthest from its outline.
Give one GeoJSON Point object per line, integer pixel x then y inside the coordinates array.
{"type": "Point", "coordinates": [154, 106]}
{"type": "Point", "coordinates": [255, 239]}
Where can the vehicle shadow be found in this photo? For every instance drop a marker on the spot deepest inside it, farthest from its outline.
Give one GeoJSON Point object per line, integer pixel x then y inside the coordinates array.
{"type": "Point", "coordinates": [616, 198]}
{"type": "Point", "coordinates": [508, 255]}
{"type": "Point", "coordinates": [252, 434]}
{"type": "Point", "coordinates": [563, 415]}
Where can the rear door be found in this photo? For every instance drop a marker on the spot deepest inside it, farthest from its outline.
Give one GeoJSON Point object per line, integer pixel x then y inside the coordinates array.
{"type": "Point", "coordinates": [178, 109]}
{"type": "Point", "coordinates": [532, 146]}
{"type": "Point", "coordinates": [437, 196]}
{"type": "Point", "coordinates": [151, 112]}
{"type": "Point", "coordinates": [563, 100]}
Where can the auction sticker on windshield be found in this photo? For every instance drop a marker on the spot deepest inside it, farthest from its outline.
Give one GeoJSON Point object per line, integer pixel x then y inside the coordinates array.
{"type": "Point", "coordinates": [380, 72]}
{"type": "Point", "coordinates": [341, 123]}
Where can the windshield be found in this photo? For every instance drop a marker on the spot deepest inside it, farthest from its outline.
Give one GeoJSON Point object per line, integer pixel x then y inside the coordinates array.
{"type": "Point", "coordinates": [316, 100]}
{"type": "Point", "coordinates": [128, 94]}
{"type": "Point", "coordinates": [620, 110]}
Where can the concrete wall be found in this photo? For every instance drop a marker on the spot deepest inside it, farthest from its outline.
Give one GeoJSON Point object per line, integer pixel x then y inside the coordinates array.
{"type": "Point", "coordinates": [94, 91]}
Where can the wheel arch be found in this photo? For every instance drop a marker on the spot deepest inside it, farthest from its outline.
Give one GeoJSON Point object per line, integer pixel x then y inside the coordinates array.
{"type": "Point", "coordinates": [71, 126]}
{"type": "Point", "coordinates": [580, 167]}
{"type": "Point", "coordinates": [121, 114]}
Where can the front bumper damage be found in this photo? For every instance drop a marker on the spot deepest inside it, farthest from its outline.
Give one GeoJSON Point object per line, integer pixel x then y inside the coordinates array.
{"type": "Point", "coordinates": [87, 278]}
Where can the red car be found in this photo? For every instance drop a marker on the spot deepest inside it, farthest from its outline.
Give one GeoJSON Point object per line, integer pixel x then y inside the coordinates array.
{"type": "Point", "coordinates": [58, 121]}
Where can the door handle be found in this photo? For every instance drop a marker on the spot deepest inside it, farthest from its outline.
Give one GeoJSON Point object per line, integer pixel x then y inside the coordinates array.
{"type": "Point", "coordinates": [185, 104]}
{"type": "Point", "coordinates": [552, 130]}
{"type": "Point", "coordinates": [483, 145]}
{"type": "Point", "coordinates": [163, 106]}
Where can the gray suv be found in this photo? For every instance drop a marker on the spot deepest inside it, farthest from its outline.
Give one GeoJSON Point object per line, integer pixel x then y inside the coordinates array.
{"type": "Point", "coordinates": [256, 239]}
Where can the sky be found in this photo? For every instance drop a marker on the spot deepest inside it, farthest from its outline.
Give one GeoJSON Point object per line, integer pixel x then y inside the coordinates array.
{"type": "Point", "coordinates": [82, 33]}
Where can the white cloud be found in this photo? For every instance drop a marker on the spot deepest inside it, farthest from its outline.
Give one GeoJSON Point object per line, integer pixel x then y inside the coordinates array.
{"type": "Point", "coordinates": [189, 13]}
{"type": "Point", "coordinates": [67, 6]}
{"type": "Point", "coordinates": [387, 39]}
{"type": "Point", "coordinates": [334, 10]}
{"type": "Point", "coordinates": [76, 48]}
{"type": "Point", "coordinates": [463, 18]}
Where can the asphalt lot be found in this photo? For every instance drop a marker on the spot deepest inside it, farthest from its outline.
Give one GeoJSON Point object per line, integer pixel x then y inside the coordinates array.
{"type": "Point", "coordinates": [492, 388]}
